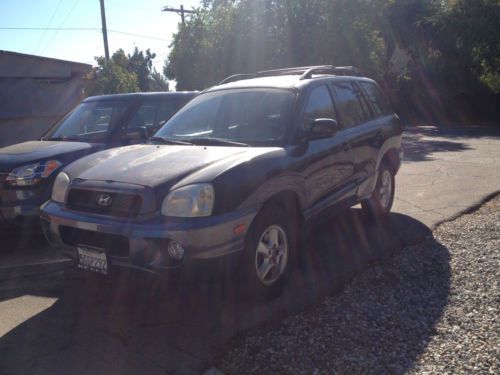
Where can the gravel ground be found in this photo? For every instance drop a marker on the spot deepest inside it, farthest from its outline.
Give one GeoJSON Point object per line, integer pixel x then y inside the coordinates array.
{"type": "Point", "coordinates": [432, 308]}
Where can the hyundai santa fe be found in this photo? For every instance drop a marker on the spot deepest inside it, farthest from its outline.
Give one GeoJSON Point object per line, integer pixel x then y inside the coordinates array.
{"type": "Point", "coordinates": [237, 171]}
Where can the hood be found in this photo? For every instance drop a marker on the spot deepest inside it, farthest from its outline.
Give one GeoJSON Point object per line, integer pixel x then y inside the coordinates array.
{"type": "Point", "coordinates": [28, 152]}
{"type": "Point", "coordinates": [156, 165]}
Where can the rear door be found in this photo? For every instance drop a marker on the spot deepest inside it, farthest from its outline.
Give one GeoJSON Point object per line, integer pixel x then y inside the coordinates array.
{"type": "Point", "coordinates": [382, 125]}
{"type": "Point", "coordinates": [361, 129]}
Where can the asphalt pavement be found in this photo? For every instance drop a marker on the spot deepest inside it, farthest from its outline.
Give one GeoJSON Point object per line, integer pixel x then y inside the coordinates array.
{"type": "Point", "coordinates": [132, 324]}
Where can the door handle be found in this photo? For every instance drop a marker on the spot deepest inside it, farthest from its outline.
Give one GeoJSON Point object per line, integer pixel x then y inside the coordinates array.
{"type": "Point", "coordinates": [346, 146]}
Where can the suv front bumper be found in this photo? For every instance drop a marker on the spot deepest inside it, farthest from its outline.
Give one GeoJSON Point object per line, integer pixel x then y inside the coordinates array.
{"type": "Point", "coordinates": [142, 243]}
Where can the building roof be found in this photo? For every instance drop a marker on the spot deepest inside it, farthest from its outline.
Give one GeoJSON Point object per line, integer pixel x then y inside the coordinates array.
{"type": "Point", "coordinates": [20, 65]}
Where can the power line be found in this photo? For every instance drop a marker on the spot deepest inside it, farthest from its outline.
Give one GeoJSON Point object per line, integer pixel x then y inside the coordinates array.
{"type": "Point", "coordinates": [50, 21]}
{"type": "Point", "coordinates": [139, 35]}
{"type": "Point", "coordinates": [50, 28]}
{"type": "Point", "coordinates": [61, 24]}
{"type": "Point", "coordinates": [85, 29]}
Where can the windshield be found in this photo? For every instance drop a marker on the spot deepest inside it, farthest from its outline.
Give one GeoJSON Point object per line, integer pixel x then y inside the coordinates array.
{"type": "Point", "coordinates": [248, 116]}
{"type": "Point", "coordinates": [89, 121]}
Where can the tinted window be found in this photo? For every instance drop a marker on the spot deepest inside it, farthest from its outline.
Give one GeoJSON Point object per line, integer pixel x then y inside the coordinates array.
{"type": "Point", "coordinates": [165, 111]}
{"type": "Point", "coordinates": [88, 121]}
{"type": "Point", "coordinates": [375, 97]}
{"type": "Point", "coordinates": [319, 105]}
{"type": "Point", "coordinates": [251, 116]}
{"type": "Point", "coordinates": [144, 116]}
{"type": "Point", "coordinates": [349, 104]}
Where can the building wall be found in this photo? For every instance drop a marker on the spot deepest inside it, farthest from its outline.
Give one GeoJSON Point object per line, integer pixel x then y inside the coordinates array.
{"type": "Point", "coordinates": [34, 93]}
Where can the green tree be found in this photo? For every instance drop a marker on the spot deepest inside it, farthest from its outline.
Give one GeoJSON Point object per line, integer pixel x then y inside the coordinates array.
{"type": "Point", "coordinates": [452, 46]}
{"type": "Point", "coordinates": [111, 78]}
{"type": "Point", "coordinates": [126, 73]}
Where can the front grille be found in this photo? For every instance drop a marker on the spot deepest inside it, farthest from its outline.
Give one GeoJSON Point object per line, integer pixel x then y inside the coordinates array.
{"type": "Point", "coordinates": [125, 205]}
{"type": "Point", "coordinates": [113, 244]}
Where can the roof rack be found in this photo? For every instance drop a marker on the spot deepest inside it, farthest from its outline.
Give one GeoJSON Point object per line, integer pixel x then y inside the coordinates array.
{"type": "Point", "coordinates": [305, 72]}
{"type": "Point", "coordinates": [237, 77]}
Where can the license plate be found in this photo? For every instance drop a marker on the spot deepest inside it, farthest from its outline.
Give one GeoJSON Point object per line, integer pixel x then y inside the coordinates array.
{"type": "Point", "coordinates": [92, 259]}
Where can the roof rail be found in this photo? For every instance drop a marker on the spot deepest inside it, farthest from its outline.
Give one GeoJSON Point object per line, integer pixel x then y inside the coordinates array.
{"type": "Point", "coordinates": [275, 72]}
{"type": "Point", "coordinates": [305, 72]}
{"type": "Point", "coordinates": [237, 77]}
{"type": "Point", "coordinates": [329, 69]}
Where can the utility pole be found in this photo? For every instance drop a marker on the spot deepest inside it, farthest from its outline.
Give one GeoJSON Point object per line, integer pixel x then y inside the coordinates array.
{"type": "Point", "coordinates": [104, 30]}
{"type": "Point", "coordinates": [180, 11]}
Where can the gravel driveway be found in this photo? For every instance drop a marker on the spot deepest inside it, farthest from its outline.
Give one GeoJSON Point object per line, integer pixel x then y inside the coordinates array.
{"type": "Point", "coordinates": [431, 308]}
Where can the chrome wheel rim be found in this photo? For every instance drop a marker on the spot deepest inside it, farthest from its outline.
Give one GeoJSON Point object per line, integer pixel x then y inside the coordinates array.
{"type": "Point", "coordinates": [271, 255]}
{"type": "Point", "coordinates": [385, 191]}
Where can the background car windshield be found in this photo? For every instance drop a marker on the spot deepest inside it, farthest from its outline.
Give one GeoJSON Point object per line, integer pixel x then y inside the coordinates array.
{"type": "Point", "coordinates": [88, 121]}
{"type": "Point", "coordinates": [248, 116]}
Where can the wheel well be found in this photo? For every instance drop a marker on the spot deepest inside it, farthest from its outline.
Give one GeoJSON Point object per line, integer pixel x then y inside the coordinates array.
{"type": "Point", "coordinates": [286, 200]}
{"type": "Point", "coordinates": [391, 159]}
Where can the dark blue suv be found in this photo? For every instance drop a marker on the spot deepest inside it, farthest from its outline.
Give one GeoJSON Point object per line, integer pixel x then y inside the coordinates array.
{"type": "Point", "coordinates": [234, 173]}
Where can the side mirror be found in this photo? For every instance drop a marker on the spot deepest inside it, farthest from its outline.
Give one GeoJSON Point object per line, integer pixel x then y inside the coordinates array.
{"type": "Point", "coordinates": [322, 128]}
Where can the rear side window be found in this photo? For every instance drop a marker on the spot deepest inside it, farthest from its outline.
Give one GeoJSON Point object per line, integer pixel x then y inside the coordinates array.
{"type": "Point", "coordinates": [319, 105]}
{"type": "Point", "coordinates": [376, 98]}
{"type": "Point", "coordinates": [144, 116]}
{"type": "Point", "coordinates": [349, 104]}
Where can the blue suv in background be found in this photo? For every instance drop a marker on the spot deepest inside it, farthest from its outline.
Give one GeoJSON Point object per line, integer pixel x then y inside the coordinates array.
{"type": "Point", "coordinates": [28, 169]}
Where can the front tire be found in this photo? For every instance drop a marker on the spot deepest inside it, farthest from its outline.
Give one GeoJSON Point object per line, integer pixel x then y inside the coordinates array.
{"type": "Point", "coordinates": [380, 203]}
{"type": "Point", "coordinates": [269, 249]}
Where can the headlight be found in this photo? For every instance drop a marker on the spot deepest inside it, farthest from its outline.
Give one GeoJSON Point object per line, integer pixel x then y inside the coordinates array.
{"type": "Point", "coordinates": [189, 201]}
{"type": "Point", "coordinates": [60, 187]}
{"type": "Point", "coordinates": [32, 174]}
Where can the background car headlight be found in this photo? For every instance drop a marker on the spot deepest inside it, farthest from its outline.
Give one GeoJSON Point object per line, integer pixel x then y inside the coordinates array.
{"type": "Point", "coordinates": [32, 174]}
{"type": "Point", "coordinates": [60, 187]}
{"type": "Point", "coordinates": [189, 201]}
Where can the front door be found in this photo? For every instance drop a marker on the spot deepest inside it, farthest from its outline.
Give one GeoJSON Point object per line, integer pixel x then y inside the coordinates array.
{"type": "Point", "coordinates": [328, 162]}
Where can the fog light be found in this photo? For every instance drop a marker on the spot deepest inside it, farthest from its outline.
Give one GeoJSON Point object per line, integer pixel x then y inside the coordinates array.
{"type": "Point", "coordinates": [175, 250]}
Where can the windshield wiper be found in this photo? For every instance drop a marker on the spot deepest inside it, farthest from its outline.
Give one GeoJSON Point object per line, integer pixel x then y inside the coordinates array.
{"type": "Point", "coordinates": [216, 141]}
{"type": "Point", "coordinates": [169, 141]}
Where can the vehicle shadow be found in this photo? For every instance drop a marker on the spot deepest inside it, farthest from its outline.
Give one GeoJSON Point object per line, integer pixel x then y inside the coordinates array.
{"type": "Point", "coordinates": [131, 326]}
{"type": "Point", "coordinates": [421, 141]}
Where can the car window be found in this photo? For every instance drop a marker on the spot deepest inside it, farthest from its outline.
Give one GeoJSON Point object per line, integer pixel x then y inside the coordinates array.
{"type": "Point", "coordinates": [199, 120]}
{"type": "Point", "coordinates": [253, 116]}
{"type": "Point", "coordinates": [144, 116]}
{"type": "Point", "coordinates": [349, 104]}
{"type": "Point", "coordinates": [88, 121]}
{"type": "Point", "coordinates": [165, 111]}
{"type": "Point", "coordinates": [319, 105]}
{"type": "Point", "coordinates": [375, 97]}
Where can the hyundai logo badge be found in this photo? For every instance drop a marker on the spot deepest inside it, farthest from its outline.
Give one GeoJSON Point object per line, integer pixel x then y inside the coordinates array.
{"type": "Point", "coordinates": [104, 200]}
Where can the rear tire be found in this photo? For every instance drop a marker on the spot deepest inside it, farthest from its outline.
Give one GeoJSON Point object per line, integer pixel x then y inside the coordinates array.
{"type": "Point", "coordinates": [380, 203]}
{"type": "Point", "coordinates": [270, 248]}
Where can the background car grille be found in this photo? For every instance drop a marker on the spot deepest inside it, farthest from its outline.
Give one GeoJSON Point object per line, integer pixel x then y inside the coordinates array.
{"type": "Point", "coordinates": [113, 244]}
{"type": "Point", "coordinates": [125, 205]}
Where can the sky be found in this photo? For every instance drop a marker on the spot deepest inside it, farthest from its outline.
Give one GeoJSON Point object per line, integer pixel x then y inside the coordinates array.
{"type": "Point", "coordinates": [153, 28]}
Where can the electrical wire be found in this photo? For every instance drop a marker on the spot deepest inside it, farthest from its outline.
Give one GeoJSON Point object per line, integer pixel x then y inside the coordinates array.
{"type": "Point", "coordinates": [85, 29]}
{"type": "Point", "coordinates": [48, 25]}
{"type": "Point", "coordinates": [61, 24]}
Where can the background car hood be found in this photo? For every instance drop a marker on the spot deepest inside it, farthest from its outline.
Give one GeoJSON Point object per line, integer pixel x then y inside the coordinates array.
{"type": "Point", "coordinates": [153, 165]}
{"type": "Point", "coordinates": [32, 151]}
